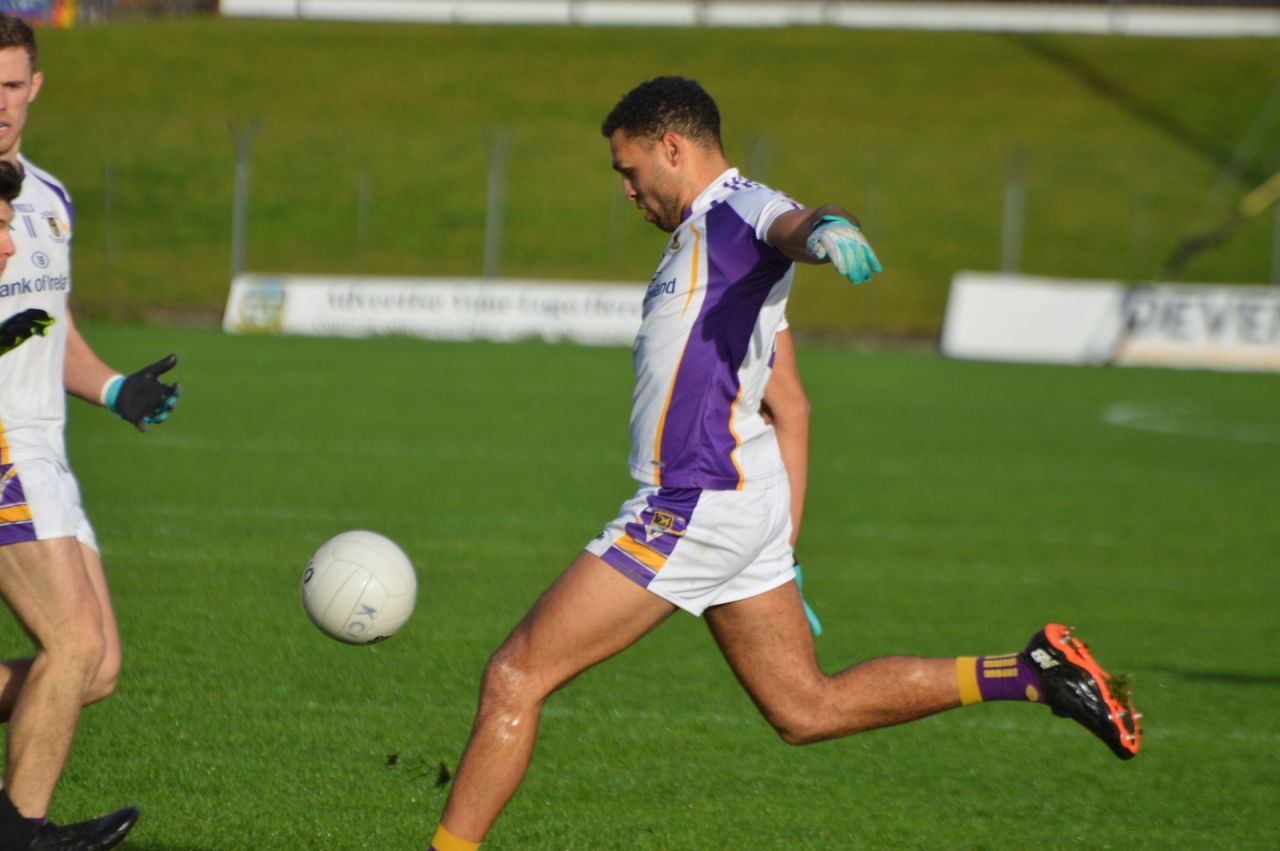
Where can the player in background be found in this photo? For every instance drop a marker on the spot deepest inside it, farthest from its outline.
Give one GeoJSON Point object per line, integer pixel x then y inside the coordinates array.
{"type": "Point", "coordinates": [709, 530]}
{"type": "Point", "coordinates": [50, 574]}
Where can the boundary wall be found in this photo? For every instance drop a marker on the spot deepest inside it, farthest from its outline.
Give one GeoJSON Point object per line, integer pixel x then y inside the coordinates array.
{"type": "Point", "coordinates": [593, 314]}
{"type": "Point", "coordinates": [993, 317]}
{"type": "Point", "coordinates": [1094, 19]}
{"type": "Point", "coordinates": [1041, 320]}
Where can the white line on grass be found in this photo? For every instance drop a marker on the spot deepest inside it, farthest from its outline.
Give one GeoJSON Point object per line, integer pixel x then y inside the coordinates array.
{"type": "Point", "coordinates": [1186, 419]}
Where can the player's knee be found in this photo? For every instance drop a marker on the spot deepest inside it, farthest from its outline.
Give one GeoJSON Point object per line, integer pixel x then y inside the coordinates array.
{"type": "Point", "coordinates": [103, 684]}
{"type": "Point", "coordinates": [507, 681]}
{"type": "Point", "coordinates": [795, 728]}
{"type": "Point", "coordinates": [801, 721]}
{"type": "Point", "coordinates": [78, 653]}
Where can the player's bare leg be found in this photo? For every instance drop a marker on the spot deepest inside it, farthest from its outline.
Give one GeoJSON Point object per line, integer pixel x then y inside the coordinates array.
{"type": "Point", "coordinates": [48, 588]}
{"type": "Point", "coordinates": [767, 641]}
{"type": "Point", "coordinates": [590, 613]}
{"type": "Point", "coordinates": [13, 673]}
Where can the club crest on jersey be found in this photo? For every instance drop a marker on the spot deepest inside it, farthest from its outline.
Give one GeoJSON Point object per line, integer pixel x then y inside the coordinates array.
{"type": "Point", "coordinates": [663, 523]}
{"type": "Point", "coordinates": [58, 229]}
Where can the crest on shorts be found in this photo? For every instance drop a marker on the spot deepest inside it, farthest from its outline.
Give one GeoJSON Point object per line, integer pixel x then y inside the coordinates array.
{"type": "Point", "coordinates": [663, 523]}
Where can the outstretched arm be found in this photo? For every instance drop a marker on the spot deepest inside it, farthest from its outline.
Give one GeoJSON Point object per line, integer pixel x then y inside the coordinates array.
{"type": "Point", "coordinates": [825, 233]}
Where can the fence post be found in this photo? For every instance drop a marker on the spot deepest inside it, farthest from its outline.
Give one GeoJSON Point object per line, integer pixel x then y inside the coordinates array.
{"type": "Point", "coordinates": [494, 206]}
{"type": "Point", "coordinates": [761, 153]}
{"type": "Point", "coordinates": [108, 193]}
{"type": "Point", "coordinates": [1014, 202]}
{"type": "Point", "coordinates": [1275, 245]}
{"type": "Point", "coordinates": [363, 200]}
{"type": "Point", "coordinates": [243, 141]}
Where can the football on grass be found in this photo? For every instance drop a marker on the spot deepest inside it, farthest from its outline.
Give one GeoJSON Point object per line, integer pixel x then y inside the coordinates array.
{"type": "Point", "coordinates": [359, 587]}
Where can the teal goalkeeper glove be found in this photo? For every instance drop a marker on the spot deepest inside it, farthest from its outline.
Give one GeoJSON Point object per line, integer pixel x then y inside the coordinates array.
{"type": "Point", "coordinates": [843, 242]}
{"type": "Point", "coordinates": [142, 398]}
{"type": "Point", "coordinates": [815, 625]}
{"type": "Point", "coordinates": [17, 329]}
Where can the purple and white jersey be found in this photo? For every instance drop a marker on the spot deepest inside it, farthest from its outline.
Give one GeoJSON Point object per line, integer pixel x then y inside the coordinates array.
{"type": "Point", "coordinates": [33, 403]}
{"type": "Point", "coordinates": [703, 352]}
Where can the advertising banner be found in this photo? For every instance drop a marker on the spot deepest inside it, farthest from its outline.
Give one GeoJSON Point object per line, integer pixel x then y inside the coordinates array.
{"type": "Point", "coordinates": [601, 314]}
{"type": "Point", "coordinates": [1215, 327]}
{"type": "Point", "coordinates": [1032, 320]}
{"type": "Point", "coordinates": [1041, 320]}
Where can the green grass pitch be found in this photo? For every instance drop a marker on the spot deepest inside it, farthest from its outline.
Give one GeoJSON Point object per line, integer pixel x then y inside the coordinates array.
{"type": "Point", "coordinates": [955, 507]}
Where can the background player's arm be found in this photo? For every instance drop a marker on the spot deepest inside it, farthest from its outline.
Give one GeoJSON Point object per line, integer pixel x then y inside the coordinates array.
{"type": "Point", "coordinates": [790, 231]}
{"type": "Point", "coordinates": [139, 398]}
{"type": "Point", "coordinates": [85, 374]}
{"type": "Point", "coordinates": [787, 408]}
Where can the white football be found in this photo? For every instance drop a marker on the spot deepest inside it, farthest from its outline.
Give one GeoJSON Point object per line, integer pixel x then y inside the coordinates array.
{"type": "Point", "coordinates": [359, 587]}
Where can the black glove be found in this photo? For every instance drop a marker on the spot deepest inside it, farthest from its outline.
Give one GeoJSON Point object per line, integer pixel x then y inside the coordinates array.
{"type": "Point", "coordinates": [17, 329]}
{"type": "Point", "coordinates": [142, 398]}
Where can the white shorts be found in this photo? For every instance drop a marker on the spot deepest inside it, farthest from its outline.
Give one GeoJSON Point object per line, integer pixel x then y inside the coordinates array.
{"type": "Point", "coordinates": [39, 501]}
{"type": "Point", "coordinates": [698, 548]}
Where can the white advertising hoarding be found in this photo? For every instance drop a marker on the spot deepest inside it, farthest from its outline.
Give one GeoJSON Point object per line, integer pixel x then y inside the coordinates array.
{"type": "Point", "coordinates": [1041, 320]}
{"type": "Point", "coordinates": [1173, 19]}
{"type": "Point", "coordinates": [1215, 327]}
{"type": "Point", "coordinates": [1032, 320]}
{"type": "Point", "coordinates": [436, 308]}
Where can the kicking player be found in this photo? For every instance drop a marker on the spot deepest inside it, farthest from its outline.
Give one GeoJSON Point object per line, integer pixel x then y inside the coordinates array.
{"type": "Point", "coordinates": [50, 574]}
{"type": "Point", "coordinates": [709, 530]}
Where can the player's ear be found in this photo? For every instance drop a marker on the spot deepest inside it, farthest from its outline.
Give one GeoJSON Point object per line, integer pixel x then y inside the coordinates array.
{"type": "Point", "coordinates": [37, 80]}
{"type": "Point", "coordinates": [672, 147]}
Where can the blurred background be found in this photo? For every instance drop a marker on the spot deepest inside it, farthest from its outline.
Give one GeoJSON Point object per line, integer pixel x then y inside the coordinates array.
{"type": "Point", "coordinates": [389, 149]}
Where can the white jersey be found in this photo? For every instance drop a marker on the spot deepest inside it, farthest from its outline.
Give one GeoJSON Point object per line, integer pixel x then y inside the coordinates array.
{"type": "Point", "coordinates": [706, 342]}
{"type": "Point", "coordinates": [33, 402]}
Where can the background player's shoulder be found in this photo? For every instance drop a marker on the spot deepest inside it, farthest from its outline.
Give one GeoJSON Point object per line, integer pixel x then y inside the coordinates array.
{"type": "Point", "coordinates": [45, 177]}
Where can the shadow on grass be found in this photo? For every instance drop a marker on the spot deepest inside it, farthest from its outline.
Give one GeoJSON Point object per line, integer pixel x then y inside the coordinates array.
{"type": "Point", "coordinates": [1224, 677]}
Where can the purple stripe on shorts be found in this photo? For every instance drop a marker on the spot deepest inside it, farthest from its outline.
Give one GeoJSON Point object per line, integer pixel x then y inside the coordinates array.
{"type": "Point", "coordinates": [697, 444]}
{"type": "Point", "coordinates": [12, 496]}
{"type": "Point", "coordinates": [628, 567]}
{"type": "Point", "coordinates": [660, 527]}
{"type": "Point", "coordinates": [664, 521]}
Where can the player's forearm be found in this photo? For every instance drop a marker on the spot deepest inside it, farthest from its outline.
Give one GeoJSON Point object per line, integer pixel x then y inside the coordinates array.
{"type": "Point", "coordinates": [84, 375]}
{"type": "Point", "coordinates": [792, 433]}
{"type": "Point", "coordinates": [787, 407]}
{"type": "Point", "coordinates": [790, 231]}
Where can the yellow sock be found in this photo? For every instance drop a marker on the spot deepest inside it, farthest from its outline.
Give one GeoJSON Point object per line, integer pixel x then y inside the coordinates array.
{"type": "Point", "coordinates": [446, 841]}
{"type": "Point", "coordinates": [967, 680]}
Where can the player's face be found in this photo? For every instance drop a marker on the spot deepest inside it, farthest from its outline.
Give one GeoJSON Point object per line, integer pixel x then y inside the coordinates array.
{"type": "Point", "coordinates": [648, 180]}
{"type": "Point", "coordinates": [7, 248]}
{"type": "Point", "coordinates": [19, 86]}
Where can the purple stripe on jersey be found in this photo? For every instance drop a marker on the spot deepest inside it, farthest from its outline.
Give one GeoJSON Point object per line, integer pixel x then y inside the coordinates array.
{"type": "Point", "coordinates": [62, 194]}
{"type": "Point", "coordinates": [697, 444]}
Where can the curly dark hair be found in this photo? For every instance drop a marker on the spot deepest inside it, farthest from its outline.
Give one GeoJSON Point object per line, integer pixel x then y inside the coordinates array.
{"type": "Point", "coordinates": [15, 32]}
{"type": "Point", "coordinates": [666, 104]}
{"type": "Point", "coordinates": [10, 181]}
